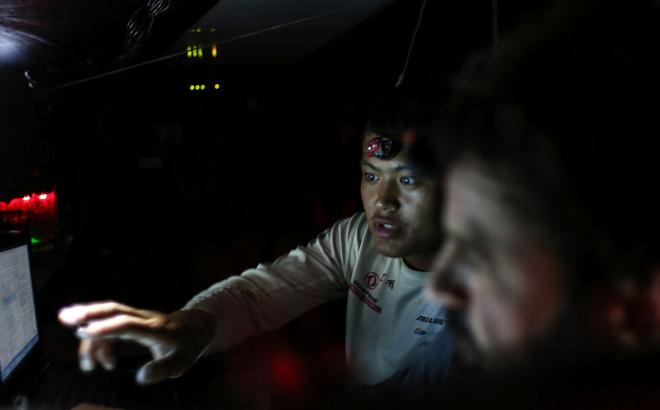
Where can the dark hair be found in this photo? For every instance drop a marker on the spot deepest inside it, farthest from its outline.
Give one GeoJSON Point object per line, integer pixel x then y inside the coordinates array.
{"type": "Point", "coordinates": [411, 107]}
{"type": "Point", "coordinates": [563, 114]}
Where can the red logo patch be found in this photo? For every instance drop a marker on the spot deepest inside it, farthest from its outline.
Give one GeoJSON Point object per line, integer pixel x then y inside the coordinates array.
{"type": "Point", "coordinates": [371, 280]}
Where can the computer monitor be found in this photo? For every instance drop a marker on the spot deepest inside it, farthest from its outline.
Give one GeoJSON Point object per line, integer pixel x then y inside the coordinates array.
{"type": "Point", "coordinates": [19, 334]}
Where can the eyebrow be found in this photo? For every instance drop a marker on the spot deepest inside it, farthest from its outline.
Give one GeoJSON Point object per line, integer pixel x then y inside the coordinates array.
{"type": "Point", "coordinates": [396, 169]}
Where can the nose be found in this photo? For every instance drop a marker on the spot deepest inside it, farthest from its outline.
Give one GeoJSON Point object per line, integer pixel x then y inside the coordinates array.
{"type": "Point", "coordinates": [448, 284]}
{"type": "Point", "coordinates": [388, 197]}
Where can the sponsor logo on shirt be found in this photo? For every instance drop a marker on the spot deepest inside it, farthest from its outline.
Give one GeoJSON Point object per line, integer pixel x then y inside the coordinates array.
{"type": "Point", "coordinates": [432, 320]}
{"type": "Point", "coordinates": [372, 280]}
{"type": "Point", "coordinates": [365, 296]}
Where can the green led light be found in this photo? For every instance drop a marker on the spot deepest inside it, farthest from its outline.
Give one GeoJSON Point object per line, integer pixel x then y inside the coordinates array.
{"type": "Point", "coordinates": [192, 88]}
{"type": "Point", "coordinates": [36, 241]}
{"type": "Point", "coordinates": [203, 87]}
{"type": "Point", "coordinates": [197, 87]}
{"type": "Point", "coordinates": [216, 86]}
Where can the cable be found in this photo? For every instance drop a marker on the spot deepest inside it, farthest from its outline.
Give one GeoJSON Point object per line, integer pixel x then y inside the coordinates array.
{"type": "Point", "coordinates": [496, 28]}
{"type": "Point", "coordinates": [410, 48]}
{"type": "Point", "coordinates": [141, 23]}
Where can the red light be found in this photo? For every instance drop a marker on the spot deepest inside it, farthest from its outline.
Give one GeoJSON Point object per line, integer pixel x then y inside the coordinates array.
{"type": "Point", "coordinates": [29, 203]}
{"type": "Point", "coordinates": [36, 212]}
{"type": "Point", "coordinates": [288, 372]}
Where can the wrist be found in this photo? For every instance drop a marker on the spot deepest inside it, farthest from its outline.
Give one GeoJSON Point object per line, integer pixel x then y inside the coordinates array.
{"type": "Point", "coordinates": [198, 324]}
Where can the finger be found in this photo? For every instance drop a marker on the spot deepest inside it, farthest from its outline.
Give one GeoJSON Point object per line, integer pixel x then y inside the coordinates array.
{"type": "Point", "coordinates": [77, 314]}
{"type": "Point", "coordinates": [169, 366]}
{"type": "Point", "coordinates": [104, 354]}
{"type": "Point", "coordinates": [119, 326]}
{"type": "Point", "coordinates": [85, 357]}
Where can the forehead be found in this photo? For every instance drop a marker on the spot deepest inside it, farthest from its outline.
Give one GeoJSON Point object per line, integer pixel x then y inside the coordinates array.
{"type": "Point", "coordinates": [476, 206]}
{"type": "Point", "coordinates": [407, 137]}
{"type": "Point", "coordinates": [384, 151]}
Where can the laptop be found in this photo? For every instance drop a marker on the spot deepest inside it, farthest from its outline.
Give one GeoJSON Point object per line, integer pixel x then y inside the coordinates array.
{"type": "Point", "coordinates": [29, 379]}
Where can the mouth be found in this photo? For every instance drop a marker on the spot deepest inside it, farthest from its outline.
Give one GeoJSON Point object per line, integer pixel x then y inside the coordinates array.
{"type": "Point", "coordinates": [385, 227]}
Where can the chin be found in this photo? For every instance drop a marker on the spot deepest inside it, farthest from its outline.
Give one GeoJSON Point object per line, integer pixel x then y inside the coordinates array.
{"type": "Point", "coordinates": [390, 250]}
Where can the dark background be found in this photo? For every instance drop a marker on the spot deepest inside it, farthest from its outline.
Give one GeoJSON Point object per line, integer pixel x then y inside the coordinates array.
{"type": "Point", "coordinates": [162, 191]}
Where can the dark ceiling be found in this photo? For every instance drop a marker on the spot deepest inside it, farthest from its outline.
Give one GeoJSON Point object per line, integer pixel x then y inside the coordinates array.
{"type": "Point", "coordinates": [263, 32]}
{"type": "Point", "coordinates": [270, 32]}
{"type": "Point", "coordinates": [71, 40]}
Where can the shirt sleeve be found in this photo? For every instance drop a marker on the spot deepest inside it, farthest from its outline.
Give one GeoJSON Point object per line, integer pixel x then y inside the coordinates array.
{"type": "Point", "coordinates": [270, 295]}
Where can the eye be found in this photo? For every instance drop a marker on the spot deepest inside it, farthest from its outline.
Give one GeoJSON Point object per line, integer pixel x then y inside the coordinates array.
{"type": "Point", "coordinates": [408, 180]}
{"type": "Point", "coordinates": [369, 177]}
{"type": "Point", "coordinates": [465, 258]}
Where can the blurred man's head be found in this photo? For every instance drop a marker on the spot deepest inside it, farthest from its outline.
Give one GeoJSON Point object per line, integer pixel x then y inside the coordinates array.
{"type": "Point", "coordinates": [548, 214]}
{"type": "Point", "coordinates": [497, 263]}
{"type": "Point", "coordinates": [398, 198]}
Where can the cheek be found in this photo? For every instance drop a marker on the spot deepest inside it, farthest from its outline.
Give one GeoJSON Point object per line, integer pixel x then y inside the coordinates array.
{"type": "Point", "coordinates": [420, 209]}
{"type": "Point", "coordinates": [365, 193]}
{"type": "Point", "coordinates": [494, 320]}
{"type": "Point", "coordinates": [518, 303]}
{"type": "Point", "coordinates": [429, 234]}
{"type": "Point", "coordinates": [537, 288]}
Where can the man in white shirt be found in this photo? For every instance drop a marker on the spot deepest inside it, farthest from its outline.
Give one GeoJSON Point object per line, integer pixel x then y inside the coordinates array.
{"type": "Point", "coordinates": [378, 258]}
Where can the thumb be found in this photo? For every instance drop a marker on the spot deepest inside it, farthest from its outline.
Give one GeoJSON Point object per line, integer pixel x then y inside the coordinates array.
{"type": "Point", "coordinates": [157, 370]}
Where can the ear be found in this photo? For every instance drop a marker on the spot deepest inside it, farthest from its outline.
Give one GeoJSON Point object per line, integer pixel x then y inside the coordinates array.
{"type": "Point", "coordinates": [627, 313]}
{"type": "Point", "coordinates": [649, 313]}
{"type": "Point", "coordinates": [612, 315]}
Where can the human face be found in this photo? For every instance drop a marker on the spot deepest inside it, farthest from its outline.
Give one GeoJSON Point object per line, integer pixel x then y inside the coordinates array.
{"type": "Point", "coordinates": [495, 267]}
{"type": "Point", "coordinates": [400, 207]}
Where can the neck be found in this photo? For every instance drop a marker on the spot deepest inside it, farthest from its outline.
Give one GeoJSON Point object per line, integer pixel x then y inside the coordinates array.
{"type": "Point", "coordinates": [420, 263]}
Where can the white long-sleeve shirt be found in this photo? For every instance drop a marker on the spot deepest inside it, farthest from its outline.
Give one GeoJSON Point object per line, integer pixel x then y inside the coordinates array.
{"type": "Point", "coordinates": [388, 320]}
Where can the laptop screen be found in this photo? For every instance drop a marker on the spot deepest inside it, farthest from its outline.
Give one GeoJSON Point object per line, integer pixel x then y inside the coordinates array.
{"type": "Point", "coordinates": [18, 319]}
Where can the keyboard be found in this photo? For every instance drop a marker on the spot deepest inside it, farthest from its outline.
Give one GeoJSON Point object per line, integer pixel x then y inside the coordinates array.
{"type": "Point", "coordinates": [64, 386]}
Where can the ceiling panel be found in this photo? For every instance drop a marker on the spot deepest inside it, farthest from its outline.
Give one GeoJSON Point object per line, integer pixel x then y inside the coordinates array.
{"type": "Point", "coordinates": [263, 32]}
